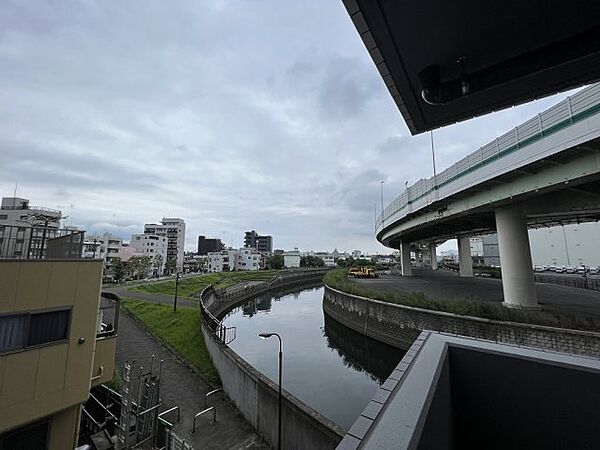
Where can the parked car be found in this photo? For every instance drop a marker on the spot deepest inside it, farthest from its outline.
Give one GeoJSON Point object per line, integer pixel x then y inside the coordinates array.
{"type": "Point", "coordinates": [594, 270]}
{"type": "Point", "coordinates": [560, 269]}
{"type": "Point", "coordinates": [582, 270]}
{"type": "Point", "coordinates": [570, 269]}
{"type": "Point", "coordinates": [538, 269]}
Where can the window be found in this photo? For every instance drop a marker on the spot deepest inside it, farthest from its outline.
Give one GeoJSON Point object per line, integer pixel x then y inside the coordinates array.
{"type": "Point", "coordinates": [29, 437]}
{"type": "Point", "coordinates": [3, 216]}
{"type": "Point", "coordinates": [19, 331]}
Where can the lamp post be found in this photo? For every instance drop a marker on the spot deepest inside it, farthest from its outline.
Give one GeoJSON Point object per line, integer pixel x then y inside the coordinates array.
{"type": "Point", "coordinates": [267, 336]}
{"type": "Point", "coordinates": [176, 286]}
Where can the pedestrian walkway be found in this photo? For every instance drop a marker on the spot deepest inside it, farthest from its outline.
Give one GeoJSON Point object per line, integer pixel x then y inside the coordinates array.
{"type": "Point", "coordinates": [181, 387]}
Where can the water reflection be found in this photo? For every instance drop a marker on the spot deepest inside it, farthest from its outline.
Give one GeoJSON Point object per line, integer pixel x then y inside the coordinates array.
{"type": "Point", "coordinates": [328, 366]}
{"type": "Point", "coordinates": [361, 353]}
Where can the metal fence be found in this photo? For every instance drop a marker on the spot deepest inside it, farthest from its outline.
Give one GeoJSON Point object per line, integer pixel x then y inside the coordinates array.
{"type": "Point", "coordinates": [38, 242]}
{"type": "Point", "coordinates": [579, 106]}
{"type": "Point", "coordinates": [574, 282]}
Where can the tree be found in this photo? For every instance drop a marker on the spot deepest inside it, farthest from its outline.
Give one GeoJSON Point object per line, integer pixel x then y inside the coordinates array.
{"type": "Point", "coordinates": [275, 262]}
{"type": "Point", "coordinates": [139, 266]}
{"type": "Point", "coordinates": [118, 270]}
{"type": "Point", "coordinates": [171, 265]}
{"type": "Point", "coordinates": [157, 264]}
{"type": "Point", "coordinates": [311, 261]}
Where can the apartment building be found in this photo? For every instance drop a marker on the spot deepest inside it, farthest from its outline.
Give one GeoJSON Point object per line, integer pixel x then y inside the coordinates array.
{"type": "Point", "coordinates": [174, 229]}
{"type": "Point", "coordinates": [105, 246]}
{"type": "Point", "coordinates": [206, 245]}
{"type": "Point", "coordinates": [263, 244]}
{"type": "Point", "coordinates": [153, 246]}
{"type": "Point", "coordinates": [25, 228]}
{"type": "Point", "coordinates": [57, 340]}
{"type": "Point", "coordinates": [291, 259]}
{"type": "Point", "coordinates": [234, 259]}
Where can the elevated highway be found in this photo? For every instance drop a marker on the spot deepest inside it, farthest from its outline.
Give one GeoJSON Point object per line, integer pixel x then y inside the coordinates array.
{"type": "Point", "coordinates": [544, 172]}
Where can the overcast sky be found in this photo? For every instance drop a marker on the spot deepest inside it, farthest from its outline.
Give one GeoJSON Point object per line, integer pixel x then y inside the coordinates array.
{"type": "Point", "coordinates": [233, 115]}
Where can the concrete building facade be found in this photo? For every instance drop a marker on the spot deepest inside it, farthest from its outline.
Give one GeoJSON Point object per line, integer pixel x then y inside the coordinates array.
{"type": "Point", "coordinates": [291, 259]}
{"type": "Point", "coordinates": [206, 245]}
{"type": "Point", "coordinates": [234, 259]}
{"type": "Point", "coordinates": [154, 247]}
{"type": "Point", "coordinates": [24, 228]}
{"type": "Point", "coordinates": [53, 348]}
{"type": "Point", "coordinates": [261, 243]}
{"type": "Point", "coordinates": [174, 229]}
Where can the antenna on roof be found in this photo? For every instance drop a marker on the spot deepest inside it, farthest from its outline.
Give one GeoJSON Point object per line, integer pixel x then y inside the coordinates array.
{"type": "Point", "coordinates": [15, 195]}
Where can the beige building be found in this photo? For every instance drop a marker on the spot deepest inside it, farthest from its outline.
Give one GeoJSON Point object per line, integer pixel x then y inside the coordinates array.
{"type": "Point", "coordinates": [55, 344]}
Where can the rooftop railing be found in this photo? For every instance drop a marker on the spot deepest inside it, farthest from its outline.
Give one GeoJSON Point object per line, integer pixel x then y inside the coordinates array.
{"type": "Point", "coordinates": [573, 109]}
{"type": "Point", "coordinates": [37, 242]}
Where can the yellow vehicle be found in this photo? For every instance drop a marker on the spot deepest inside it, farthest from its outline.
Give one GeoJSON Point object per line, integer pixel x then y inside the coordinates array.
{"type": "Point", "coordinates": [362, 272]}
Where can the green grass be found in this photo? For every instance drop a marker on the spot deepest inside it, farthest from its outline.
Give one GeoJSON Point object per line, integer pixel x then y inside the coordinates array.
{"type": "Point", "coordinates": [189, 286]}
{"type": "Point", "coordinates": [116, 383]}
{"type": "Point", "coordinates": [181, 330]}
{"type": "Point", "coordinates": [338, 279]}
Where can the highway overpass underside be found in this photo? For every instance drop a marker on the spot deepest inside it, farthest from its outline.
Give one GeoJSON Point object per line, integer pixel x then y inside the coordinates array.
{"type": "Point", "coordinates": [560, 189]}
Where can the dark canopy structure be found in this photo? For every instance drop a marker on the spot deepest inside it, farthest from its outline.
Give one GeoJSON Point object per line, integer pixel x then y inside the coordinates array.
{"type": "Point", "coordinates": [448, 61]}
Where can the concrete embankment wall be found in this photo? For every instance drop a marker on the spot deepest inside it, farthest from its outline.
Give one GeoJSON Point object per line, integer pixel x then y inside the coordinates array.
{"type": "Point", "coordinates": [255, 395]}
{"type": "Point", "coordinates": [399, 325]}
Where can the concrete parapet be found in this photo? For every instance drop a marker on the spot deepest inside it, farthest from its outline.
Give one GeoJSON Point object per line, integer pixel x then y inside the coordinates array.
{"type": "Point", "coordinates": [255, 395]}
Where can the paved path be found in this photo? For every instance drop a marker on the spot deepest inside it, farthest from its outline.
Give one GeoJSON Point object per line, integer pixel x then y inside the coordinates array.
{"type": "Point", "coordinates": [447, 285]}
{"type": "Point", "coordinates": [181, 387]}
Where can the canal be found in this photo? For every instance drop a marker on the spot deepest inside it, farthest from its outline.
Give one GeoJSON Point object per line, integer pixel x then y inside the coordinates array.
{"type": "Point", "coordinates": [326, 365]}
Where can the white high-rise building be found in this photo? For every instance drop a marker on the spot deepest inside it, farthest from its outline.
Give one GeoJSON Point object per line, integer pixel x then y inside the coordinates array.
{"type": "Point", "coordinates": [153, 246]}
{"type": "Point", "coordinates": [174, 229]}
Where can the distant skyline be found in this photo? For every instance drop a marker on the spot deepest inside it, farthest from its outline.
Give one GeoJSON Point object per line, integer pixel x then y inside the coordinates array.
{"type": "Point", "coordinates": [231, 115]}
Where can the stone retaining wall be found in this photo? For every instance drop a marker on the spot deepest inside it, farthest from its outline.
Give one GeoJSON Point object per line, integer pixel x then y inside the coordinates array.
{"type": "Point", "coordinates": [399, 325]}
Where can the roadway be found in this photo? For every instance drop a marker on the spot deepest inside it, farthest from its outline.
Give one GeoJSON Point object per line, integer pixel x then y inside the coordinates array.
{"type": "Point", "coordinates": [445, 285]}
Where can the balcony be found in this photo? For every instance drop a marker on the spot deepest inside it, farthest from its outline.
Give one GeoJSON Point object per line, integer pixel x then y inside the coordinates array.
{"type": "Point", "coordinates": [106, 338]}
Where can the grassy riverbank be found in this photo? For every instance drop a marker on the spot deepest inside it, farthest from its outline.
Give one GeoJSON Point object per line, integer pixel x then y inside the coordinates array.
{"type": "Point", "coordinates": [190, 285]}
{"type": "Point", "coordinates": [180, 330]}
{"type": "Point", "coordinates": [338, 279]}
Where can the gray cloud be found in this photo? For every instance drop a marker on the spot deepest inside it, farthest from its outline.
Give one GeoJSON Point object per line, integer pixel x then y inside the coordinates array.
{"type": "Point", "coordinates": [232, 115]}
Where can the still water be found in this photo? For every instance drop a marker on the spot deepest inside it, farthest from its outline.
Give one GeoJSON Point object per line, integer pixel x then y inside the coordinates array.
{"type": "Point", "coordinates": [328, 366]}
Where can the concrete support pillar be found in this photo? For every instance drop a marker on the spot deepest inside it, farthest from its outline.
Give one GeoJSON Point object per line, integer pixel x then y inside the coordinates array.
{"type": "Point", "coordinates": [465, 262]}
{"type": "Point", "coordinates": [432, 256]}
{"type": "Point", "coordinates": [405, 259]}
{"type": "Point", "coordinates": [515, 259]}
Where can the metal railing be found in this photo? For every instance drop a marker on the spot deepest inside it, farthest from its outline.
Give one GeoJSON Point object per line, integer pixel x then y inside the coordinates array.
{"type": "Point", "coordinates": [592, 284]}
{"type": "Point", "coordinates": [201, 413]}
{"type": "Point", "coordinates": [108, 315]}
{"type": "Point", "coordinates": [214, 391]}
{"type": "Point", "coordinates": [164, 413]}
{"type": "Point", "coordinates": [40, 242]}
{"type": "Point", "coordinates": [583, 104]}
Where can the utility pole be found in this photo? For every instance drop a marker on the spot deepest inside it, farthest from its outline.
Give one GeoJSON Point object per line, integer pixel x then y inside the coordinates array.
{"type": "Point", "coordinates": [176, 286]}
{"type": "Point", "coordinates": [382, 200]}
{"type": "Point", "coordinates": [433, 159]}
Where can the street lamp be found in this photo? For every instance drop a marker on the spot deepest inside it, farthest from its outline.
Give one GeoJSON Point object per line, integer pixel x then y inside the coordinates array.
{"type": "Point", "coordinates": [267, 336]}
{"type": "Point", "coordinates": [176, 286]}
